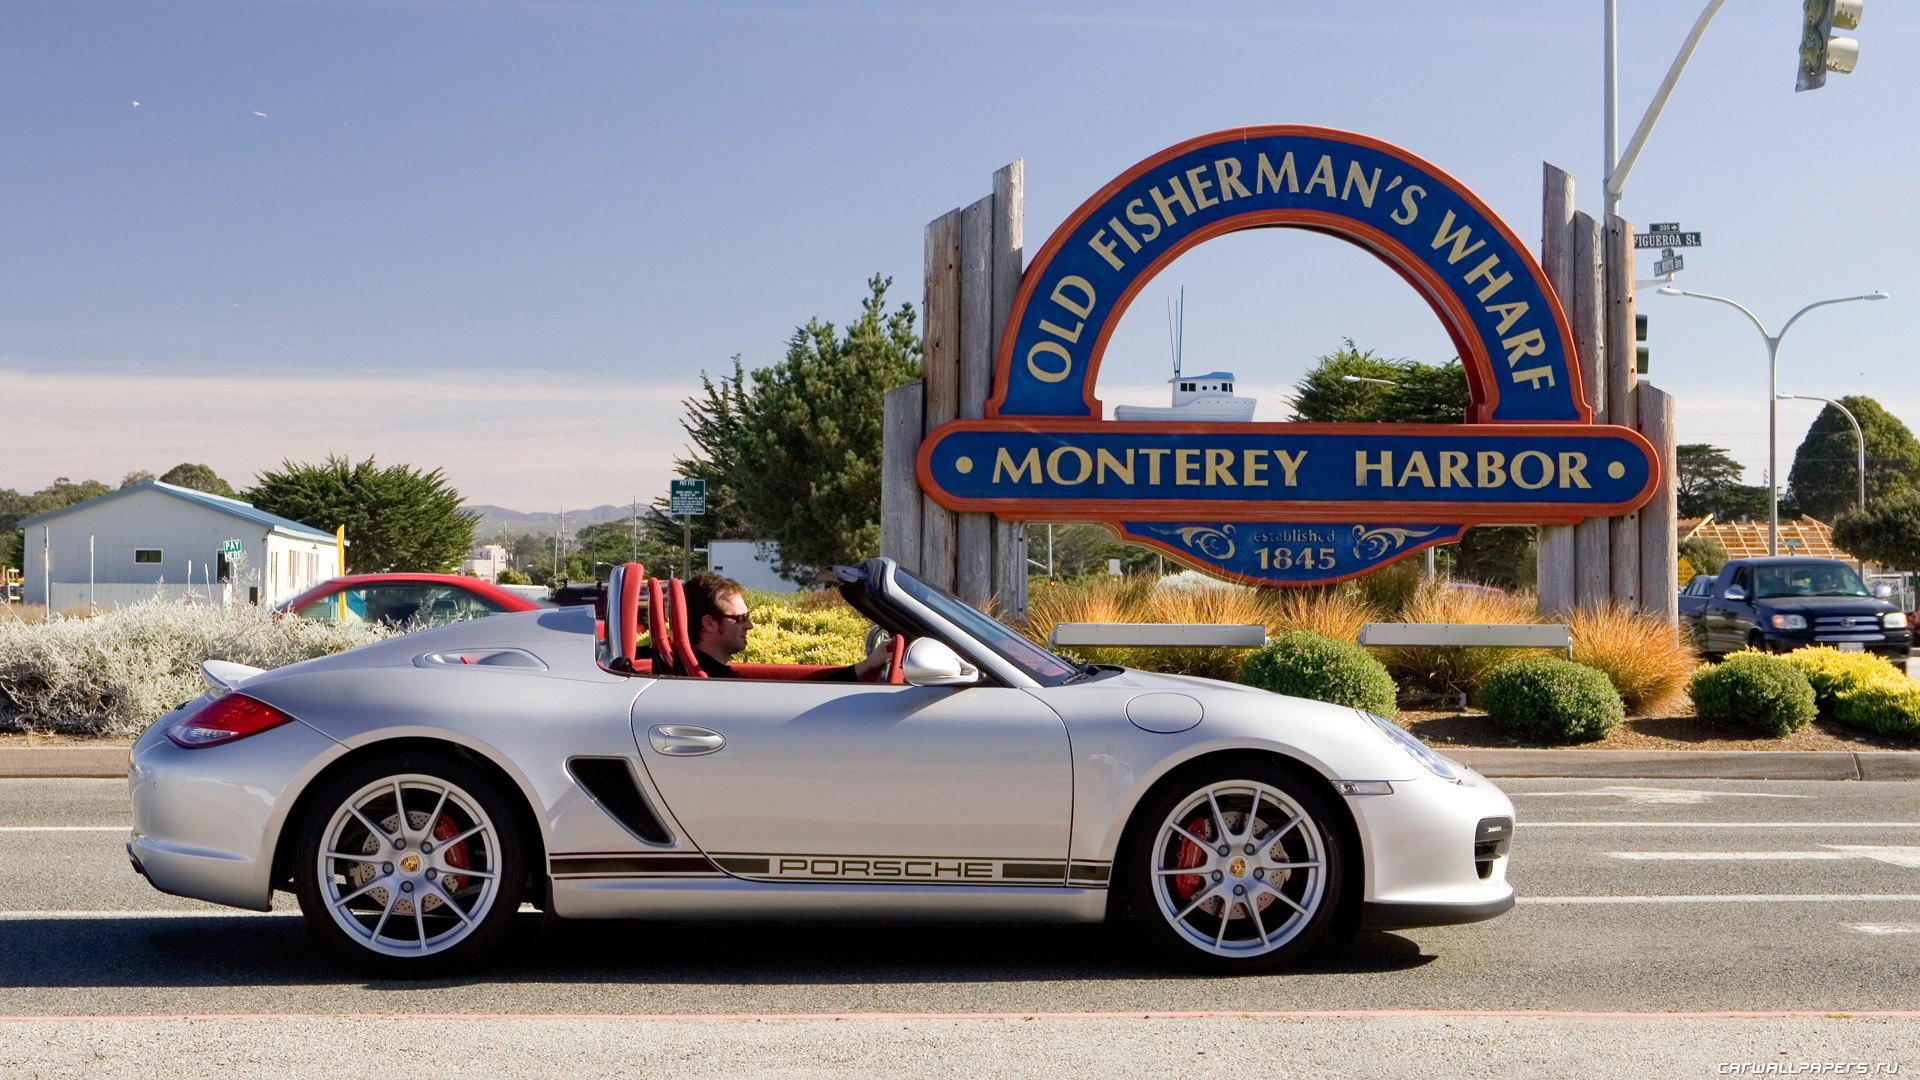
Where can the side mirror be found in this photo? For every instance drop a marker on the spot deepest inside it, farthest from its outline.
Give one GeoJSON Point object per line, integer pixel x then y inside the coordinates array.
{"type": "Point", "coordinates": [933, 663]}
{"type": "Point", "coordinates": [1883, 590]}
{"type": "Point", "coordinates": [1734, 592]}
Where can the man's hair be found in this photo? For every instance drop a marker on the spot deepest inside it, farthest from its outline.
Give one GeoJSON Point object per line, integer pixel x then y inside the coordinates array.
{"type": "Point", "coordinates": [704, 591]}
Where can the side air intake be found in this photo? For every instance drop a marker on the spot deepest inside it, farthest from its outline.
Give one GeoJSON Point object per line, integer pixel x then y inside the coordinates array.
{"type": "Point", "coordinates": [610, 782]}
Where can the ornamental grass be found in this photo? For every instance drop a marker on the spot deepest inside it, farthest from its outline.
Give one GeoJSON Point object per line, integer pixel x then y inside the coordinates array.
{"type": "Point", "coordinates": [1646, 660]}
{"type": "Point", "coordinates": [1456, 669]}
{"type": "Point", "coordinates": [1337, 612]}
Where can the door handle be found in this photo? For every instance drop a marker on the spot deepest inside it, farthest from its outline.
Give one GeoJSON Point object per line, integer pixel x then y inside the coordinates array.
{"type": "Point", "coordinates": [684, 740]}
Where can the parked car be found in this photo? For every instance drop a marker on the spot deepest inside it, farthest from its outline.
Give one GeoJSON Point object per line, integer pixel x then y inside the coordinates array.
{"type": "Point", "coordinates": [1694, 594]}
{"type": "Point", "coordinates": [405, 600]}
{"type": "Point", "coordinates": [414, 792]}
{"type": "Point", "coordinates": [1784, 603]}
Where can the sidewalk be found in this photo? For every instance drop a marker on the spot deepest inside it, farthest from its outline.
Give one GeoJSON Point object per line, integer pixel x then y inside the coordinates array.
{"type": "Point", "coordinates": [110, 762]}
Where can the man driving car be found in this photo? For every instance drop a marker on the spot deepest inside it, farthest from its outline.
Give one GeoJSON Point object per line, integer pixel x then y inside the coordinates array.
{"type": "Point", "coordinates": [718, 618]}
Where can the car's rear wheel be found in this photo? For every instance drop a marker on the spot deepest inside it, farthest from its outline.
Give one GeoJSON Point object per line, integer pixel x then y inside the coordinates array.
{"type": "Point", "coordinates": [1235, 868]}
{"type": "Point", "coordinates": [410, 865]}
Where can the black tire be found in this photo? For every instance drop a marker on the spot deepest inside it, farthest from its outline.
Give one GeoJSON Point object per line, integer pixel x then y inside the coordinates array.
{"type": "Point", "coordinates": [454, 902]}
{"type": "Point", "coordinates": [1198, 919]}
{"type": "Point", "coordinates": [1758, 642]}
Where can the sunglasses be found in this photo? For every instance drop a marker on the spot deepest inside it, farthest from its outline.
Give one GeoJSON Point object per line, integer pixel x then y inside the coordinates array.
{"type": "Point", "coordinates": [745, 616]}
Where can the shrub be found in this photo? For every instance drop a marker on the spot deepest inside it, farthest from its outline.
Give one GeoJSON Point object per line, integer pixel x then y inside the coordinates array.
{"type": "Point", "coordinates": [114, 674]}
{"type": "Point", "coordinates": [1453, 669]}
{"type": "Point", "coordinates": [1832, 672]}
{"type": "Point", "coordinates": [1755, 689]}
{"type": "Point", "coordinates": [1889, 708]}
{"type": "Point", "coordinates": [1309, 665]}
{"type": "Point", "coordinates": [1645, 659]}
{"type": "Point", "coordinates": [787, 633]}
{"type": "Point", "coordinates": [1551, 696]}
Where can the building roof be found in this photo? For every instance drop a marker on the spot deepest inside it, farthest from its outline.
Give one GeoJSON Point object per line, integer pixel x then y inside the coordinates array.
{"type": "Point", "coordinates": [1211, 376]}
{"type": "Point", "coordinates": [1748, 539]}
{"type": "Point", "coordinates": [231, 507]}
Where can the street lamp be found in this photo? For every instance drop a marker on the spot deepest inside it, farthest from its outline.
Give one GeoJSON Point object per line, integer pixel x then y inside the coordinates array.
{"type": "Point", "coordinates": [1860, 440]}
{"type": "Point", "coordinates": [1773, 392]}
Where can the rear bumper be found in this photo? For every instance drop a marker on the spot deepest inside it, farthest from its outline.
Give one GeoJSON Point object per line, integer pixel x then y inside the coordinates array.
{"type": "Point", "coordinates": [204, 820]}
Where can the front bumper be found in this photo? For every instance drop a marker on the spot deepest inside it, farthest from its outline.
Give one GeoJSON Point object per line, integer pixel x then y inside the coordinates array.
{"type": "Point", "coordinates": [205, 820]}
{"type": "Point", "coordinates": [1893, 644]}
{"type": "Point", "coordinates": [1425, 865]}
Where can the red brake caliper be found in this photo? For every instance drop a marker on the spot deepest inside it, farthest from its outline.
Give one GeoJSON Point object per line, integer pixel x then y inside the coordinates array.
{"type": "Point", "coordinates": [455, 855]}
{"type": "Point", "coordinates": [1191, 855]}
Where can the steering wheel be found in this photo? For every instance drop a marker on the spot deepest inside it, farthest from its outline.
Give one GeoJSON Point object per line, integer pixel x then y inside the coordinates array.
{"type": "Point", "coordinates": [896, 653]}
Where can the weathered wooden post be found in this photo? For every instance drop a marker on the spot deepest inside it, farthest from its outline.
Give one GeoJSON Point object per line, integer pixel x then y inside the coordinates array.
{"type": "Point", "coordinates": [1557, 547]}
{"type": "Point", "coordinates": [973, 264]}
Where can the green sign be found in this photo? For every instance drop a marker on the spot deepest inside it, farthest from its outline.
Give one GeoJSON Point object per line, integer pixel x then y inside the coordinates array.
{"type": "Point", "coordinates": [687, 498]}
{"type": "Point", "coordinates": [230, 547]}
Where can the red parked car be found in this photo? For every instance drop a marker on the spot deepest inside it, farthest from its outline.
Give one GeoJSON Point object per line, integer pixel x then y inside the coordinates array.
{"type": "Point", "coordinates": [405, 600]}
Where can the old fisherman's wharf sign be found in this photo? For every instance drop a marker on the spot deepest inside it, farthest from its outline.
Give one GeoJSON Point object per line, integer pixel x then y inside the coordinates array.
{"type": "Point", "coordinates": [1289, 503]}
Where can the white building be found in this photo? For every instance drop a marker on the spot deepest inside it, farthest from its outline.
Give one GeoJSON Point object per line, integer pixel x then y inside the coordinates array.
{"type": "Point", "coordinates": [485, 562]}
{"type": "Point", "coordinates": [155, 539]}
{"type": "Point", "coordinates": [749, 562]}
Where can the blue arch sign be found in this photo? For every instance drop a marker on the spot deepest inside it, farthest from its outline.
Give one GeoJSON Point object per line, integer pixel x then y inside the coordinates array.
{"type": "Point", "coordinates": [1289, 503]}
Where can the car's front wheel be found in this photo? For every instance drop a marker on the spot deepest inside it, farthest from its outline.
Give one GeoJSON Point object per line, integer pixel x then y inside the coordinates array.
{"type": "Point", "coordinates": [1235, 868]}
{"type": "Point", "coordinates": [410, 865]}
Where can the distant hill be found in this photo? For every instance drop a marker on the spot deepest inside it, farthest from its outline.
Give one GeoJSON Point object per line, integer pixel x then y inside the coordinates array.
{"type": "Point", "coordinates": [494, 518]}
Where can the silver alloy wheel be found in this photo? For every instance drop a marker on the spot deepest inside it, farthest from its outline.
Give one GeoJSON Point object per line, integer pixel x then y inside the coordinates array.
{"type": "Point", "coordinates": [409, 865]}
{"type": "Point", "coordinates": [1239, 869]}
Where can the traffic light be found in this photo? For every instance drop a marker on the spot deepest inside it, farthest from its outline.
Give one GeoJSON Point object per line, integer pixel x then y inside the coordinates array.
{"type": "Point", "coordinates": [1820, 52]}
{"type": "Point", "coordinates": [1640, 350]}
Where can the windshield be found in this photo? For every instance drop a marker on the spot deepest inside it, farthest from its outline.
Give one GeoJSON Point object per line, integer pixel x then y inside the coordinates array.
{"type": "Point", "coordinates": [1044, 667]}
{"type": "Point", "coordinates": [1807, 579]}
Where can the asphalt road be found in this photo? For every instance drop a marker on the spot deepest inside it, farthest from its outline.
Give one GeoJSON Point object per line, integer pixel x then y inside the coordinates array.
{"type": "Point", "coordinates": [1653, 915]}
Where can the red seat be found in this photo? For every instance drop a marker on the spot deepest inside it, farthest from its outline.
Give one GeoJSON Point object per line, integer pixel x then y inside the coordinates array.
{"type": "Point", "coordinates": [657, 629]}
{"type": "Point", "coordinates": [683, 654]}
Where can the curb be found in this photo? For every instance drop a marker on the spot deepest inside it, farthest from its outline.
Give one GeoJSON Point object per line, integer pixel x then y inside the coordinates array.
{"type": "Point", "coordinates": [110, 763]}
{"type": "Point", "coordinates": [83, 762]}
{"type": "Point", "coordinates": [1693, 764]}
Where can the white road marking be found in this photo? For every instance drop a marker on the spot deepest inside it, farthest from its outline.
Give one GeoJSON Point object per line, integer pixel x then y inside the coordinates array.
{"type": "Point", "coordinates": [1717, 825]}
{"type": "Point", "coordinates": [1731, 898]}
{"type": "Point", "coordinates": [65, 828]}
{"type": "Point", "coordinates": [1896, 856]}
{"type": "Point", "coordinates": [1885, 929]}
{"type": "Point", "coordinates": [1652, 796]}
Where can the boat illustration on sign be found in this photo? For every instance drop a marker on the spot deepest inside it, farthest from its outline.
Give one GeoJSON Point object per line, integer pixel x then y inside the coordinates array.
{"type": "Point", "coordinates": [1202, 398]}
{"type": "Point", "coordinates": [1196, 398]}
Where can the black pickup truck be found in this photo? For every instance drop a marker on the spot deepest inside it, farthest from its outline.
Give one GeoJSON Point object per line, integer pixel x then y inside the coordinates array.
{"type": "Point", "coordinates": [1784, 603]}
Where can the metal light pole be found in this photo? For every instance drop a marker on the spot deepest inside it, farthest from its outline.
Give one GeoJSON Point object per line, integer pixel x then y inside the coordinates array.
{"type": "Point", "coordinates": [1859, 439]}
{"type": "Point", "coordinates": [1773, 392]}
{"type": "Point", "coordinates": [1616, 169]}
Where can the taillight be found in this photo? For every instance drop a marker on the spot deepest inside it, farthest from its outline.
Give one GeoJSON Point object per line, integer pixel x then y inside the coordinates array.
{"type": "Point", "coordinates": [234, 716]}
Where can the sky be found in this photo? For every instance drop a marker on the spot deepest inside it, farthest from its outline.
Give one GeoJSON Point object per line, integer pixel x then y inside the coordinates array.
{"type": "Point", "coordinates": [504, 237]}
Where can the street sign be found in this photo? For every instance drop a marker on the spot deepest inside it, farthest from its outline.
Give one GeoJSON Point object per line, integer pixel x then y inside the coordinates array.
{"type": "Point", "coordinates": [687, 498]}
{"type": "Point", "coordinates": [230, 547]}
{"type": "Point", "coordinates": [1666, 239]}
{"type": "Point", "coordinates": [1664, 226]}
{"type": "Point", "coordinates": [1669, 265]}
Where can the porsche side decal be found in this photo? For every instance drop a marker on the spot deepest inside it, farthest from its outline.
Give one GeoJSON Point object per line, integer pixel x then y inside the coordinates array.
{"type": "Point", "coordinates": [621, 864]}
{"type": "Point", "coordinates": [907, 869]}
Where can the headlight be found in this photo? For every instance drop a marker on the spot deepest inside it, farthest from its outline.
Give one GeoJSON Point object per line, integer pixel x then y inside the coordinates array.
{"type": "Point", "coordinates": [1789, 622]}
{"type": "Point", "coordinates": [1894, 620]}
{"type": "Point", "coordinates": [1435, 764]}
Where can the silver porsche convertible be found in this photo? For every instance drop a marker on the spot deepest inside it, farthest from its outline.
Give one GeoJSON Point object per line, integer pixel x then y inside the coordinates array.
{"type": "Point", "coordinates": [415, 793]}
